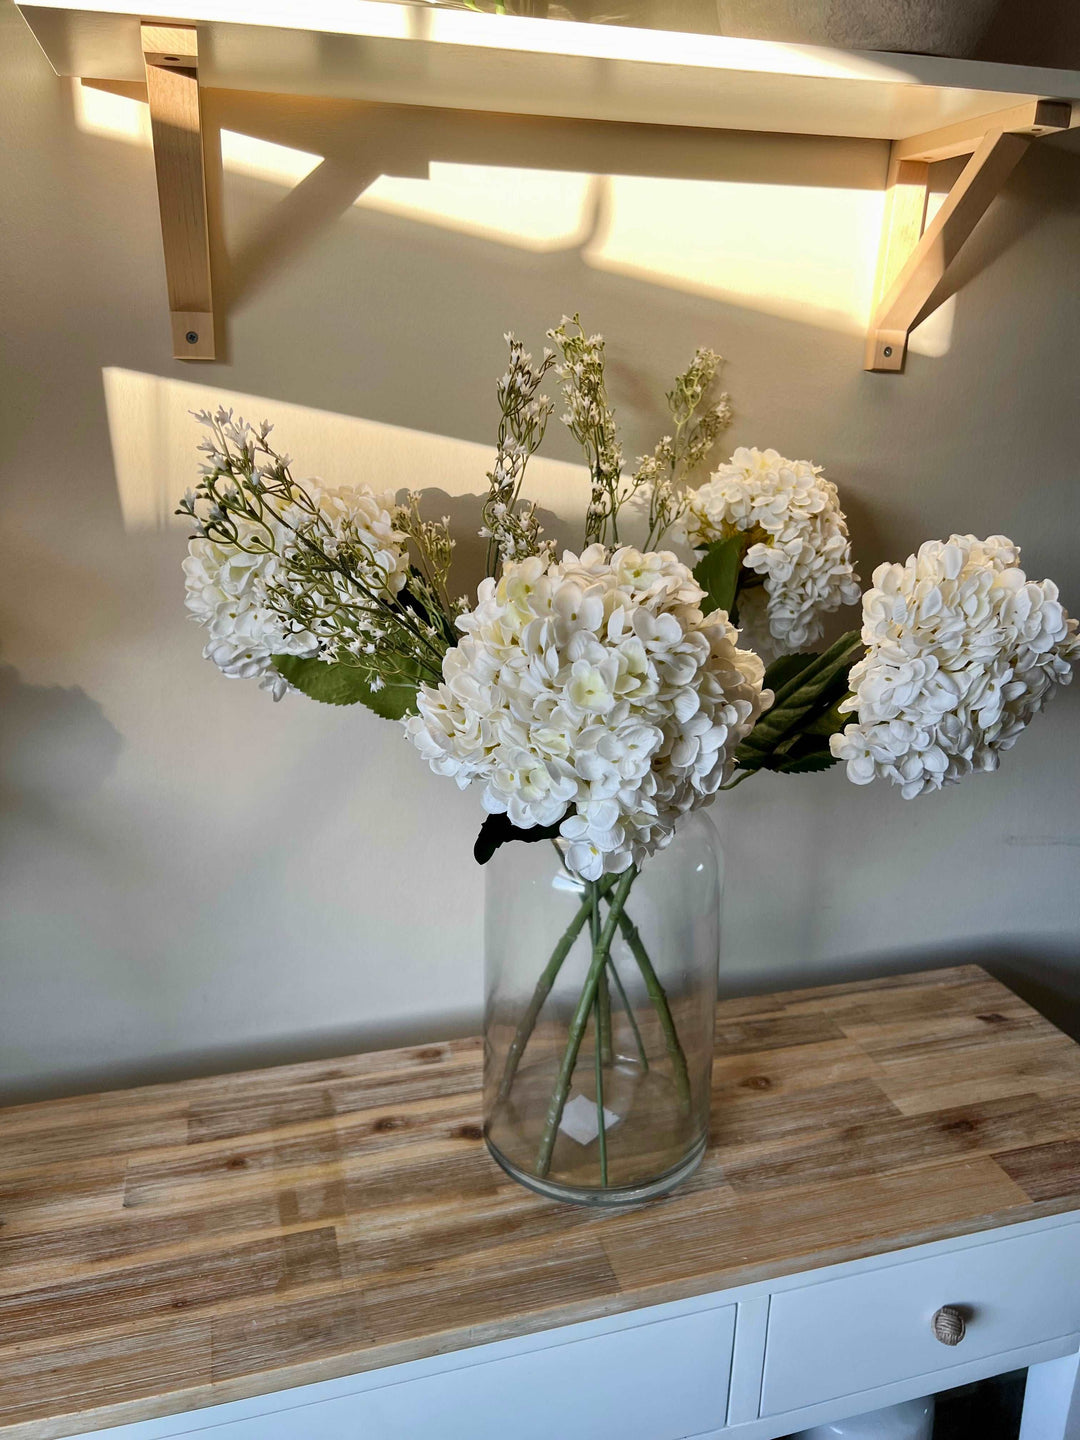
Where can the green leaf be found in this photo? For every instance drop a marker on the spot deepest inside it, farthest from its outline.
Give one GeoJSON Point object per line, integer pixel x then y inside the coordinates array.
{"type": "Point", "coordinates": [717, 572]}
{"type": "Point", "coordinates": [805, 764]}
{"type": "Point", "coordinates": [813, 689]}
{"type": "Point", "coordinates": [830, 721]}
{"type": "Point", "coordinates": [781, 671]}
{"type": "Point", "coordinates": [497, 830]}
{"type": "Point", "coordinates": [337, 684]}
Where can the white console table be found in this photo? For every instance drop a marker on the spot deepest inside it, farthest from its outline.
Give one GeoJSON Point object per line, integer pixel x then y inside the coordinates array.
{"type": "Point", "coordinates": [325, 1250]}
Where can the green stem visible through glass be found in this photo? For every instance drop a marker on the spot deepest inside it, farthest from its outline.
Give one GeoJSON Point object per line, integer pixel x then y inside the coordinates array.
{"type": "Point", "coordinates": [527, 1023]}
{"type": "Point", "coordinates": [600, 1039]}
{"type": "Point", "coordinates": [659, 998]}
{"type": "Point", "coordinates": [580, 1020]}
{"type": "Point", "coordinates": [594, 1002]}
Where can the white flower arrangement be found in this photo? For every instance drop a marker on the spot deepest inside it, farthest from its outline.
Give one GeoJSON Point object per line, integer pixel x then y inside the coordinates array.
{"type": "Point", "coordinates": [962, 651]}
{"type": "Point", "coordinates": [594, 695]}
{"type": "Point", "coordinates": [797, 541]}
{"type": "Point", "coordinates": [597, 698]}
{"type": "Point", "coordinates": [601, 696]}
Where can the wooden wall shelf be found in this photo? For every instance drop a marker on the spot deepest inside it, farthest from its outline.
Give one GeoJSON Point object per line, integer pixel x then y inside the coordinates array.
{"type": "Point", "coordinates": [424, 54]}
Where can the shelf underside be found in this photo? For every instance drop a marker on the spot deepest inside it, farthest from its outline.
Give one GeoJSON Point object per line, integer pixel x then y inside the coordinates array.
{"type": "Point", "coordinates": [379, 50]}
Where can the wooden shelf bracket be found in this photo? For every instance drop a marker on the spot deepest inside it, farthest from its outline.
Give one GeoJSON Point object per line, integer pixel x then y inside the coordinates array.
{"type": "Point", "coordinates": [171, 54]}
{"type": "Point", "coordinates": [913, 260]}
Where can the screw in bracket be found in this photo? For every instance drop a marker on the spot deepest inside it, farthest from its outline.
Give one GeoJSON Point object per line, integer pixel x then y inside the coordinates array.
{"type": "Point", "coordinates": [192, 337]}
{"type": "Point", "coordinates": [886, 352]}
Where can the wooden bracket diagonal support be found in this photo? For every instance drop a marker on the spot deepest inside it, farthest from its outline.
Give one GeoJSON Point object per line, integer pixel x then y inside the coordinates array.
{"type": "Point", "coordinates": [912, 261]}
{"type": "Point", "coordinates": [171, 54]}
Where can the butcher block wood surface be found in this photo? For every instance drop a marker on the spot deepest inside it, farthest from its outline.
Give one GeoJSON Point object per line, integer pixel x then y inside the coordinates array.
{"type": "Point", "coordinates": [181, 1245]}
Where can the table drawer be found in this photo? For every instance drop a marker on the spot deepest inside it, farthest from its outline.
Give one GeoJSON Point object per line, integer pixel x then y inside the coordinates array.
{"type": "Point", "coordinates": [657, 1381]}
{"type": "Point", "coordinates": [844, 1336]}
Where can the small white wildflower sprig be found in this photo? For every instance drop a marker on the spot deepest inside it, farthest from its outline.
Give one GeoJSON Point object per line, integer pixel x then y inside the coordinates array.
{"type": "Point", "coordinates": [591, 421]}
{"type": "Point", "coordinates": [511, 528]}
{"type": "Point", "coordinates": [660, 478]}
{"type": "Point", "coordinates": [963, 650]}
{"type": "Point", "coordinates": [311, 586]}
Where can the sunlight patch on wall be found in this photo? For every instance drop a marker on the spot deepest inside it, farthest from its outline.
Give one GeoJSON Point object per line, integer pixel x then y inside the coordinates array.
{"type": "Point", "coordinates": [264, 160]}
{"type": "Point", "coordinates": [541, 210]}
{"type": "Point", "coordinates": [805, 253]}
{"type": "Point", "coordinates": [126, 117]}
{"type": "Point", "coordinates": [801, 252]}
{"type": "Point", "coordinates": [117, 117]}
{"type": "Point", "coordinates": [153, 438]}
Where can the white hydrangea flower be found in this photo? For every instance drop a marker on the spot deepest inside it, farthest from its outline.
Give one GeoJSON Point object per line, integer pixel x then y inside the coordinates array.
{"type": "Point", "coordinates": [800, 545]}
{"type": "Point", "coordinates": [963, 649]}
{"type": "Point", "coordinates": [592, 691]}
{"type": "Point", "coordinates": [227, 588]}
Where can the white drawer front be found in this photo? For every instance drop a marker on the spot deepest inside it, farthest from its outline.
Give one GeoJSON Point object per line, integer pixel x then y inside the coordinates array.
{"type": "Point", "coordinates": [844, 1336]}
{"type": "Point", "coordinates": [659, 1381]}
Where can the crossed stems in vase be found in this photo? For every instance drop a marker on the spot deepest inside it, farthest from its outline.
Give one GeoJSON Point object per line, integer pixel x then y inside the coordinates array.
{"type": "Point", "coordinates": [595, 1000]}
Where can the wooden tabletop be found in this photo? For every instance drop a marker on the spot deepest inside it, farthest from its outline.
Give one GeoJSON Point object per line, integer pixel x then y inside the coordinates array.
{"type": "Point", "coordinates": [181, 1245]}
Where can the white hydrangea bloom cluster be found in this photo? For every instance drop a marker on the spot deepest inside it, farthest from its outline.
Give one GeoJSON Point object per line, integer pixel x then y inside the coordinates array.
{"type": "Point", "coordinates": [963, 650]}
{"type": "Point", "coordinates": [800, 544]}
{"type": "Point", "coordinates": [592, 691]}
{"type": "Point", "coordinates": [228, 586]}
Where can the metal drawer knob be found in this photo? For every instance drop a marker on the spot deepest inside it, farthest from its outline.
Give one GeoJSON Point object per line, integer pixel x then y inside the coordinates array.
{"type": "Point", "coordinates": [948, 1325]}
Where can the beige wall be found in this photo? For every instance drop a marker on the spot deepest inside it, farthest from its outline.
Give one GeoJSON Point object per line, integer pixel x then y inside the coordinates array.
{"type": "Point", "coordinates": [192, 877]}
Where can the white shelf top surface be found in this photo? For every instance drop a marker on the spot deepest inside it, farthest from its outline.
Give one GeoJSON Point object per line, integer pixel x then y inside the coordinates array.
{"type": "Point", "coordinates": [422, 54]}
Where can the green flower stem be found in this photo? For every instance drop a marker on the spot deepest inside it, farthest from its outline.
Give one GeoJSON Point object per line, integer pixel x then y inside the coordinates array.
{"type": "Point", "coordinates": [660, 1002]}
{"type": "Point", "coordinates": [740, 776]}
{"type": "Point", "coordinates": [629, 1013]}
{"type": "Point", "coordinates": [603, 1000]}
{"type": "Point", "coordinates": [580, 1020]}
{"type": "Point", "coordinates": [603, 993]}
{"type": "Point", "coordinates": [548, 975]}
{"type": "Point", "coordinates": [598, 1033]}
{"type": "Point", "coordinates": [601, 1134]}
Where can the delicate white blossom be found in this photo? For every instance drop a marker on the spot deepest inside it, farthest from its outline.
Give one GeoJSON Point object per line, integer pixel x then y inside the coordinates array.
{"type": "Point", "coordinates": [236, 590]}
{"type": "Point", "coordinates": [963, 649]}
{"type": "Point", "coordinates": [592, 692]}
{"type": "Point", "coordinates": [799, 545]}
{"type": "Point", "coordinates": [509, 523]}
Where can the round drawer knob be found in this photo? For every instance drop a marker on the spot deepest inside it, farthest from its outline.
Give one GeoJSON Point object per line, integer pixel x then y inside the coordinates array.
{"type": "Point", "coordinates": [948, 1325]}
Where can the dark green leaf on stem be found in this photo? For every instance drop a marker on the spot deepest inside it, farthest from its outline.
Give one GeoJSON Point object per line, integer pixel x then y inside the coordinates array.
{"type": "Point", "coordinates": [784, 670]}
{"type": "Point", "coordinates": [789, 736]}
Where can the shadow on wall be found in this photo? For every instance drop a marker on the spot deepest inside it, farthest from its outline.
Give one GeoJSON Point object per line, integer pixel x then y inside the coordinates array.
{"type": "Point", "coordinates": [763, 244]}
{"type": "Point", "coordinates": [56, 749]}
{"type": "Point", "coordinates": [796, 218]}
{"type": "Point", "coordinates": [730, 233]}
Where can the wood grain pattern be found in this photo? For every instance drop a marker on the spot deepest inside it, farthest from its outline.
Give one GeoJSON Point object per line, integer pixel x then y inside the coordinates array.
{"type": "Point", "coordinates": [923, 271]}
{"type": "Point", "coordinates": [906, 189]}
{"type": "Point", "coordinates": [911, 264]}
{"type": "Point", "coordinates": [171, 53]}
{"type": "Point", "coordinates": [1031, 117]}
{"type": "Point", "coordinates": [180, 1245]}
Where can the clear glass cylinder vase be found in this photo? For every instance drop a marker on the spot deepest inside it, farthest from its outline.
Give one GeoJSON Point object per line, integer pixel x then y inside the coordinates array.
{"type": "Point", "coordinates": [599, 1018]}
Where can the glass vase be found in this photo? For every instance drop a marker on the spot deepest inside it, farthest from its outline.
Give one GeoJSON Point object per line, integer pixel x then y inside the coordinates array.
{"type": "Point", "coordinates": [599, 1018]}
